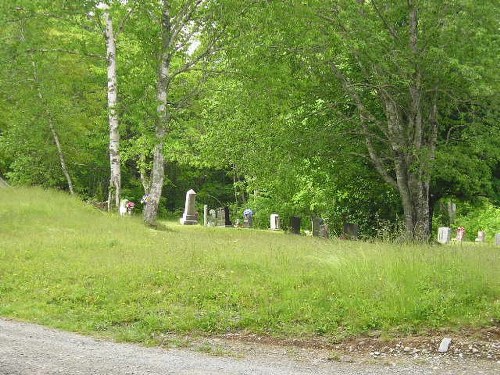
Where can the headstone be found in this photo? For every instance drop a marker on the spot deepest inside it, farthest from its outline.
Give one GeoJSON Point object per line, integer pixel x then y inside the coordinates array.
{"type": "Point", "coordinates": [295, 224]}
{"type": "Point", "coordinates": [351, 231]}
{"type": "Point", "coordinates": [275, 222]}
{"type": "Point", "coordinates": [497, 239]}
{"type": "Point", "coordinates": [460, 234]}
{"type": "Point", "coordinates": [247, 218]}
{"type": "Point", "coordinates": [227, 221]}
{"type": "Point", "coordinates": [323, 231]}
{"type": "Point", "coordinates": [123, 207]}
{"type": "Point", "coordinates": [316, 223]}
{"type": "Point", "coordinates": [481, 236]}
{"type": "Point", "coordinates": [190, 216]}
{"type": "Point", "coordinates": [205, 215]}
{"type": "Point", "coordinates": [444, 235]}
{"type": "Point", "coordinates": [220, 215]}
{"type": "Point", "coordinates": [212, 218]}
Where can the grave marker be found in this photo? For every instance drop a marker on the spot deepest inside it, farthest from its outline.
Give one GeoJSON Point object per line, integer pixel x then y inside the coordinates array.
{"type": "Point", "coordinates": [190, 216]}
{"type": "Point", "coordinates": [227, 221]}
{"type": "Point", "coordinates": [481, 236]}
{"type": "Point", "coordinates": [247, 218]}
{"type": "Point", "coordinates": [444, 235]}
{"type": "Point", "coordinates": [275, 222]}
{"type": "Point", "coordinates": [295, 224]}
{"type": "Point", "coordinates": [316, 223]}
{"type": "Point", "coordinates": [351, 231]}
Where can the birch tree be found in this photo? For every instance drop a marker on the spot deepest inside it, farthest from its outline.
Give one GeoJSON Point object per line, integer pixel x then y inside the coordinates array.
{"type": "Point", "coordinates": [114, 190]}
{"type": "Point", "coordinates": [189, 37]}
{"type": "Point", "coordinates": [49, 117]}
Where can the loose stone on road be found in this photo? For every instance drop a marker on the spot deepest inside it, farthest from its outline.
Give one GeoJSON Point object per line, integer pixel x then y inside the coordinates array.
{"type": "Point", "coordinates": [32, 349]}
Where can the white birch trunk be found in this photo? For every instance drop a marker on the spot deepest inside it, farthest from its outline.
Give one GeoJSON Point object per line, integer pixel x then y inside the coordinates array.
{"type": "Point", "coordinates": [114, 134]}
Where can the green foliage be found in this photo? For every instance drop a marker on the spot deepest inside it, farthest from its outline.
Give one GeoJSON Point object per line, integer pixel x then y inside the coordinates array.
{"type": "Point", "coordinates": [481, 216]}
{"type": "Point", "coordinates": [88, 271]}
{"type": "Point", "coordinates": [273, 128]}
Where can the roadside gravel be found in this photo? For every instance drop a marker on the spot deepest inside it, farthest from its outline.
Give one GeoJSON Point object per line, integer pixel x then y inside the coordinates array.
{"type": "Point", "coordinates": [32, 349]}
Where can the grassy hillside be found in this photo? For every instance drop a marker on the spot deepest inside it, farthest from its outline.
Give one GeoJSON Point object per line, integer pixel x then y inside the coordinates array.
{"type": "Point", "coordinates": [65, 264]}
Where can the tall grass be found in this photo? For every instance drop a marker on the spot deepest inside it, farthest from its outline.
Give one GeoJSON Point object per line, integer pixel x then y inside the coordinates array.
{"type": "Point", "coordinates": [65, 264]}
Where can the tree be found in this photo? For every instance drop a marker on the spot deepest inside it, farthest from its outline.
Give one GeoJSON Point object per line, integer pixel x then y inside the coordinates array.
{"type": "Point", "coordinates": [402, 68]}
{"type": "Point", "coordinates": [389, 74]}
{"type": "Point", "coordinates": [189, 36]}
{"type": "Point", "coordinates": [114, 190]}
{"type": "Point", "coordinates": [47, 99]}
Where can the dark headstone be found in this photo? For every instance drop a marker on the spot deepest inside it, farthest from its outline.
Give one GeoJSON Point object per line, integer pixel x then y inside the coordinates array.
{"type": "Point", "coordinates": [323, 231]}
{"type": "Point", "coordinates": [295, 224]}
{"type": "Point", "coordinates": [351, 231]}
{"type": "Point", "coordinates": [227, 221]}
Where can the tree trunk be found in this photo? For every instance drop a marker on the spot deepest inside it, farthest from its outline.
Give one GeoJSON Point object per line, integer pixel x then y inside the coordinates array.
{"type": "Point", "coordinates": [114, 192]}
{"type": "Point", "coordinates": [50, 120]}
{"type": "Point", "coordinates": [158, 171]}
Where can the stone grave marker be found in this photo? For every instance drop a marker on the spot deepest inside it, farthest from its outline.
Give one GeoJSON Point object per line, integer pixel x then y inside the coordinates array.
{"type": "Point", "coordinates": [221, 217]}
{"type": "Point", "coordinates": [481, 236]}
{"type": "Point", "coordinates": [351, 231]}
{"type": "Point", "coordinates": [247, 218]}
{"type": "Point", "coordinates": [324, 231]}
{"type": "Point", "coordinates": [227, 221]}
{"type": "Point", "coordinates": [295, 224]}
{"type": "Point", "coordinates": [212, 218]}
{"type": "Point", "coordinates": [190, 216]}
{"type": "Point", "coordinates": [444, 235]}
{"type": "Point", "coordinates": [316, 223]}
{"type": "Point", "coordinates": [275, 222]}
{"type": "Point", "coordinates": [205, 215]}
{"type": "Point", "coordinates": [497, 239]}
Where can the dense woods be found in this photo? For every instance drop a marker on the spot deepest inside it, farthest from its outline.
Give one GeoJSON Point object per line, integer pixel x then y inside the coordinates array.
{"type": "Point", "coordinates": [376, 112]}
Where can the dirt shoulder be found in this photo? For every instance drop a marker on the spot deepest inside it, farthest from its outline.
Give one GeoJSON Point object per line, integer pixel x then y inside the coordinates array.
{"type": "Point", "coordinates": [32, 349]}
{"type": "Point", "coordinates": [470, 350]}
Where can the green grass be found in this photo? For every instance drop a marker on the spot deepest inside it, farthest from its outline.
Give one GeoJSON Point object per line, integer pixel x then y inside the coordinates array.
{"type": "Point", "coordinates": [67, 265]}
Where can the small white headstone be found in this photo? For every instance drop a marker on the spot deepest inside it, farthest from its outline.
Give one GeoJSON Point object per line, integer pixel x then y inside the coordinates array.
{"type": "Point", "coordinates": [497, 239]}
{"type": "Point", "coordinates": [275, 222]}
{"type": "Point", "coordinates": [480, 236]}
{"type": "Point", "coordinates": [123, 207]}
{"type": "Point", "coordinates": [444, 235]}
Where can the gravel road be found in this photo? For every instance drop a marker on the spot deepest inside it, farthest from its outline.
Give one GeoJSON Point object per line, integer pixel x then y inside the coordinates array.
{"type": "Point", "coordinates": [32, 349]}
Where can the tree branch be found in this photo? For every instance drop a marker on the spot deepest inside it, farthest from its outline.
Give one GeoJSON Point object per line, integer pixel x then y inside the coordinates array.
{"type": "Point", "coordinates": [60, 50]}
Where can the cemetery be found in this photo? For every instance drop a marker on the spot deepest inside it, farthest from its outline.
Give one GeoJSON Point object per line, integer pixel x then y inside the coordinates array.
{"type": "Point", "coordinates": [106, 270]}
{"type": "Point", "coordinates": [221, 217]}
{"type": "Point", "coordinates": [318, 169]}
